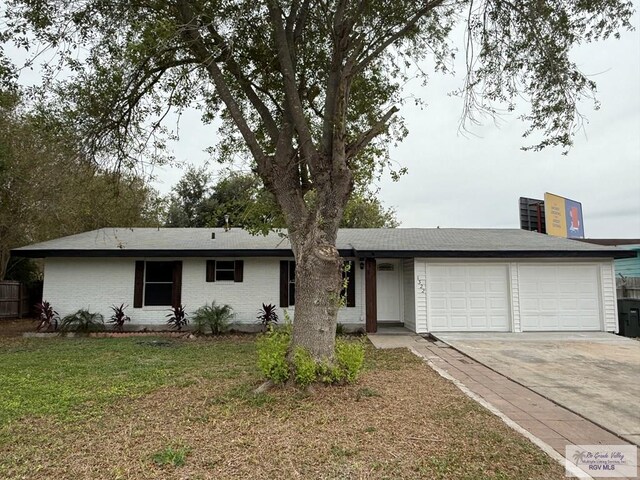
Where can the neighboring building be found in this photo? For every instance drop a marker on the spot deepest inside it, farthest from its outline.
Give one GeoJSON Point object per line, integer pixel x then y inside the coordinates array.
{"type": "Point", "coordinates": [627, 267]}
{"type": "Point", "coordinates": [430, 280]}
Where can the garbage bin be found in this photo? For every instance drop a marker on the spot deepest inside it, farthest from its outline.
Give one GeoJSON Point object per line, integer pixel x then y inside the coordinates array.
{"type": "Point", "coordinates": [629, 317]}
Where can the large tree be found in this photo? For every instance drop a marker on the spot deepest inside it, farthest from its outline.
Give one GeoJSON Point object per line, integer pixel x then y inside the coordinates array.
{"type": "Point", "coordinates": [309, 88]}
{"type": "Point", "coordinates": [48, 190]}
{"type": "Point", "coordinates": [239, 199]}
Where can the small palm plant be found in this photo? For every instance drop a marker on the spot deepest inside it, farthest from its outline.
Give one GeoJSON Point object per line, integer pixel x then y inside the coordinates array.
{"type": "Point", "coordinates": [119, 317]}
{"type": "Point", "coordinates": [216, 318]}
{"type": "Point", "coordinates": [82, 321]}
{"type": "Point", "coordinates": [47, 317]}
{"type": "Point", "coordinates": [267, 316]}
{"type": "Point", "coordinates": [177, 317]}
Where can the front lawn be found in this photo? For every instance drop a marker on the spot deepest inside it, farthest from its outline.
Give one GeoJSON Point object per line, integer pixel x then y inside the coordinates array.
{"type": "Point", "coordinates": [143, 408]}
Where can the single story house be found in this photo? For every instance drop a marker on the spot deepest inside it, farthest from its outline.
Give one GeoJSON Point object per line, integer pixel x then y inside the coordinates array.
{"type": "Point", "coordinates": [429, 280]}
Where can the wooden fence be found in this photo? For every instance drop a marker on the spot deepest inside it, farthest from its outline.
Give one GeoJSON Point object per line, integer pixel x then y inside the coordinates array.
{"type": "Point", "coordinates": [14, 299]}
{"type": "Point", "coordinates": [628, 287]}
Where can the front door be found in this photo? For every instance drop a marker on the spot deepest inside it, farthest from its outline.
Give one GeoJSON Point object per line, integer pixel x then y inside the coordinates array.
{"type": "Point", "coordinates": [388, 285]}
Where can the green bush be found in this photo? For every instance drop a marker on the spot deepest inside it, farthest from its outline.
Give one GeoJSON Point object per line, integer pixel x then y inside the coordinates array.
{"type": "Point", "coordinates": [272, 354]}
{"type": "Point", "coordinates": [214, 317]}
{"type": "Point", "coordinates": [305, 367]}
{"type": "Point", "coordinates": [82, 321]}
{"type": "Point", "coordinates": [350, 359]}
{"type": "Point", "coordinates": [328, 373]}
{"type": "Point", "coordinates": [273, 347]}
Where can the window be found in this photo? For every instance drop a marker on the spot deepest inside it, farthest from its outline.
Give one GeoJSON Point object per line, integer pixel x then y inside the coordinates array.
{"type": "Point", "coordinates": [225, 270]}
{"type": "Point", "coordinates": [288, 283]}
{"type": "Point", "coordinates": [157, 283]}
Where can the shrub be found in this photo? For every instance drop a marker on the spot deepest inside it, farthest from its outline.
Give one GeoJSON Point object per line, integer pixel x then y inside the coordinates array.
{"type": "Point", "coordinates": [82, 321]}
{"type": "Point", "coordinates": [47, 316]}
{"type": "Point", "coordinates": [305, 367]}
{"type": "Point", "coordinates": [272, 354]}
{"type": "Point", "coordinates": [119, 317]}
{"type": "Point", "coordinates": [177, 317]}
{"type": "Point", "coordinates": [328, 373]}
{"type": "Point", "coordinates": [214, 317]}
{"type": "Point", "coordinates": [273, 347]}
{"type": "Point", "coordinates": [350, 359]}
{"type": "Point", "coordinates": [267, 316]}
{"type": "Point", "coordinates": [340, 331]}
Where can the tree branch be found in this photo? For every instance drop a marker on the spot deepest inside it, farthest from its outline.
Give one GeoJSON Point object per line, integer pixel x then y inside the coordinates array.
{"type": "Point", "coordinates": [246, 86]}
{"type": "Point", "coordinates": [365, 138]}
{"type": "Point", "coordinates": [191, 34]}
{"type": "Point", "coordinates": [422, 12]}
{"type": "Point", "coordinates": [291, 90]}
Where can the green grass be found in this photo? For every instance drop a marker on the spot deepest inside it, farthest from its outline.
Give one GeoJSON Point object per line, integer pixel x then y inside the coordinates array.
{"type": "Point", "coordinates": [174, 456]}
{"type": "Point", "coordinates": [71, 378]}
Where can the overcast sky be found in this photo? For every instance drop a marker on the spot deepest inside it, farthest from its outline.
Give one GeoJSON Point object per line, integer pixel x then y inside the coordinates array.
{"type": "Point", "coordinates": [475, 180]}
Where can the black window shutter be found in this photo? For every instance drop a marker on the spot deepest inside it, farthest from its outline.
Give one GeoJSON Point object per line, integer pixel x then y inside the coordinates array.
{"type": "Point", "coordinates": [138, 285]}
{"type": "Point", "coordinates": [211, 270]}
{"type": "Point", "coordinates": [238, 273]}
{"type": "Point", "coordinates": [351, 286]}
{"type": "Point", "coordinates": [176, 292]}
{"type": "Point", "coordinates": [284, 283]}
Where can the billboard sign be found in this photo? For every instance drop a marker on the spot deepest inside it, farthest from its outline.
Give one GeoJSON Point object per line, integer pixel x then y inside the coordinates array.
{"type": "Point", "coordinates": [563, 217]}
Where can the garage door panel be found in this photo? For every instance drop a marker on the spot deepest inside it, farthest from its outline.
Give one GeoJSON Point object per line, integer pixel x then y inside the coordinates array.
{"type": "Point", "coordinates": [476, 303]}
{"type": "Point", "coordinates": [559, 297]}
{"type": "Point", "coordinates": [458, 304]}
{"type": "Point", "coordinates": [498, 321]}
{"type": "Point", "coordinates": [468, 298]}
{"type": "Point", "coordinates": [477, 287]}
{"type": "Point", "coordinates": [478, 322]}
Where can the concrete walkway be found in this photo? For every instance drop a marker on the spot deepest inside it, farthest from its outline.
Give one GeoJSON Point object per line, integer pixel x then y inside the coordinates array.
{"type": "Point", "coordinates": [553, 425]}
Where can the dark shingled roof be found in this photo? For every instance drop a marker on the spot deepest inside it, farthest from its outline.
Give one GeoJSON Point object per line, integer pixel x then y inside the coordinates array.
{"type": "Point", "coordinates": [359, 242]}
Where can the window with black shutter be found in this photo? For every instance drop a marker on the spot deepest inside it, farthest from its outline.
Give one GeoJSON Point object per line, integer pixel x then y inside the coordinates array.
{"type": "Point", "coordinates": [288, 283]}
{"type": "Point", "coordinates": [224, 271]}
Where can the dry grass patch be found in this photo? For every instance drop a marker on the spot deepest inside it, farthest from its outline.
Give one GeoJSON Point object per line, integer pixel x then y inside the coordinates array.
{"type": "Point", "coordinates": [400, 421]}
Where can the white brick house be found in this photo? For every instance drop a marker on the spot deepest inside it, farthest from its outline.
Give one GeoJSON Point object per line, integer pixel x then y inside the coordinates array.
{"type": "Point", "coordinates": [429, 280]}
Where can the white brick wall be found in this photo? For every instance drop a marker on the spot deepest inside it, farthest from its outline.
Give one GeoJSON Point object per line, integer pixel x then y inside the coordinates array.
{"type": "Point", "coordinates": [98, 283]}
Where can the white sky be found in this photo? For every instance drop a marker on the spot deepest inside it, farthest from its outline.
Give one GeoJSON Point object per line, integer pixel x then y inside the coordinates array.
{"type": "Point", "coordinates": [476, 180]}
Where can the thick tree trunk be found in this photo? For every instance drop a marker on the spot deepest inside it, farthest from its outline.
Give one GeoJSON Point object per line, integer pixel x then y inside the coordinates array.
{"type": "Point", "coordinates": [318, 285]}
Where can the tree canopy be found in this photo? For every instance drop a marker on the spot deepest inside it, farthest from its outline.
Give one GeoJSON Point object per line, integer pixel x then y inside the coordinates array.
{"type": "Point", "coordinates": [309, 90]}
{"type": "Point", "coordinates": [48, 190]}
{"type": "Point", "coordinates": [241, 198]}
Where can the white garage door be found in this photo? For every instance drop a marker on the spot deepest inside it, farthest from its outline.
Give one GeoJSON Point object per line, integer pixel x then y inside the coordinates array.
{"type": "Point", "coordinates": [468, 298]}
{"type": "Point", "coordinates": [559, 297]}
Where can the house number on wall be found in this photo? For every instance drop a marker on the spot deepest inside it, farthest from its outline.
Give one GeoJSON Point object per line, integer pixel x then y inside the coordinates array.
{"type": "Point", "coordinates": [386, 267]}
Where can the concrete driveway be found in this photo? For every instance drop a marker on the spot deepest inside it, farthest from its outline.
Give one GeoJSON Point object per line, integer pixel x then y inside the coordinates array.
{"type": "Point", "coordinates": [596, 375]}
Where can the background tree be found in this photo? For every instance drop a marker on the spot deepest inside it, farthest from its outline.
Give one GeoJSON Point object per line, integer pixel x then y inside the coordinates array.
{"type": "Point", "coordinates": [195, 202]}
{"type": "Point", "coordinates": [309, 89]}
{"type": "Point", "coordinates": [48, 190]}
